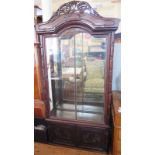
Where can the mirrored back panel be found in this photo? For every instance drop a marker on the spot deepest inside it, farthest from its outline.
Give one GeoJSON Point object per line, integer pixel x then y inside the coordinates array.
{"type": "Point", "coordinates": [76, 68]}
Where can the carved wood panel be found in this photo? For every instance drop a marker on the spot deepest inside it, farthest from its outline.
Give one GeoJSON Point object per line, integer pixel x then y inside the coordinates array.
{"type": "Point", "coordinates": [79, 135]}
{"type": "Point", "coordinates": [62, 133]}
{"type": "Point", "coordinates": [77, 13]}
{"type": "Point", "coordinates": [94, 138]}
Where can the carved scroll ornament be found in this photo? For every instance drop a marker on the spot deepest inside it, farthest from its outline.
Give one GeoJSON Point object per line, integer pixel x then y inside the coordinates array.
{"type": "Point", "coordinates": [78, 11]}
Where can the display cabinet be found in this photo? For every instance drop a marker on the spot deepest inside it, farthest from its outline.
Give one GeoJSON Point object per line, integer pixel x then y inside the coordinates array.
{"type": "Point", "coordinates": [76, 55]}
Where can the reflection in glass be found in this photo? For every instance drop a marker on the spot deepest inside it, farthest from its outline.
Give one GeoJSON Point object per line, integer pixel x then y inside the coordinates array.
{"type": "Point", "coordinates": [76, 63]}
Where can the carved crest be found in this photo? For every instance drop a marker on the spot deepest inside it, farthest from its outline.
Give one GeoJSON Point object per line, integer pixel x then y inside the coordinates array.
{"type": "Point", "coordinates": [76, 13]}
{"type": "Point", "coordinates": [74, 7]}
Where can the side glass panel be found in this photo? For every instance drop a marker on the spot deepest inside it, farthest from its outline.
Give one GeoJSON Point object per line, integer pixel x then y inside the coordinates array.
{"type": "Point", "coordinates": [54, 70]}
{"type": "Point", "coordinates": [90, 59]}
{"type": "Point", "coordinates": [76, 62]}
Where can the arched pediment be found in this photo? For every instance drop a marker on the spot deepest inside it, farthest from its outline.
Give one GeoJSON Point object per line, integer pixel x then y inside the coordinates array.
{"type": "Point", "coordinates": [77, 13]}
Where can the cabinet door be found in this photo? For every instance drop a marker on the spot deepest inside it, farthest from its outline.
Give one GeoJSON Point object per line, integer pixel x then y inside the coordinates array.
{"type": "Point", "coordinates": [94, 138]}
{"type": "Point", "coordinates": [76, 62]}
{"type": "Point", "coordinates": [62, 133]}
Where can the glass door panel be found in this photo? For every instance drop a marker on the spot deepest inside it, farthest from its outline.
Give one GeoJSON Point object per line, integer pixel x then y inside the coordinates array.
{"type": "Point", "coordinates": [76, 61]}
{"type": "Point", "coordinates": [68, 73]}
{"type": "Point", "coordinates": [90, 58]}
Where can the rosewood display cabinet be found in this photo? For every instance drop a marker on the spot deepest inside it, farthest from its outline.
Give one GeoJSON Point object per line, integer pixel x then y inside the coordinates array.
{"type": "Point", "coordinates": [76, 55]}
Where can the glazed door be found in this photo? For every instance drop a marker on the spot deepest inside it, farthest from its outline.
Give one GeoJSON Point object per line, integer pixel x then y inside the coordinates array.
{"type": "Point", "coordinates": [76, 72]}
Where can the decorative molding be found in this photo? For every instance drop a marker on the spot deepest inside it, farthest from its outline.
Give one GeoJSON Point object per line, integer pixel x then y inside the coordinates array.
{"type": "Point", "coordinates": [79, 135]}
{"type": "Point", "coordinates": [91, 138]}
{"type": "Point", "coordinates": [77, 13]}
{"type": "Point", "coordinates": [74, 7]}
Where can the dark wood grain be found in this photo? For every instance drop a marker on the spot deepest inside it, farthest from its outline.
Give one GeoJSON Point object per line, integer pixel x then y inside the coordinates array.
{"type": "Point", "coordinates": [77, 14]}
{"type": "Point", "coordinates": [78, 135]}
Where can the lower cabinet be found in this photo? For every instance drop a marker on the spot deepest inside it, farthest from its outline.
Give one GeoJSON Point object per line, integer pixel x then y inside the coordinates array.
{"type": "Point", "coordinates": [62, 134]}
{"type": "Point", "coordinates": [82, 136]}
